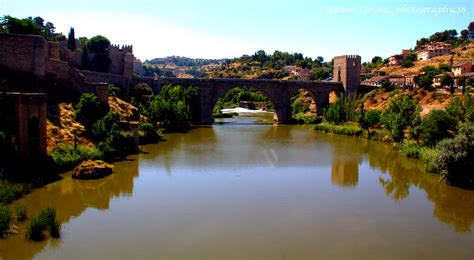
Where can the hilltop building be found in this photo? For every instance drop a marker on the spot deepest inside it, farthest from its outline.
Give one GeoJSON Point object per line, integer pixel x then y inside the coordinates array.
{"type": "Point", "coordinates": [429, 51]}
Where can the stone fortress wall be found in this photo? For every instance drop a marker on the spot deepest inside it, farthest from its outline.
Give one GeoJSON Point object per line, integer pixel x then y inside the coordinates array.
{"type": "Point", "coordinates": [35, 55]}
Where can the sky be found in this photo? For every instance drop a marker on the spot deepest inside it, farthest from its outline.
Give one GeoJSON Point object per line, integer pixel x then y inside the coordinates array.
{"type": "Point", "coordinates": [231, 28]}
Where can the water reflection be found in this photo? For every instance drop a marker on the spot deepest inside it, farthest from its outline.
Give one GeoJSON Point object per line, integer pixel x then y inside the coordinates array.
{"type": "Point", "coordinates": [71, 198]}
{"type": "Point", "coordinates": [345, 174]}
{"type": "Point", "coordinates": [226, 183]}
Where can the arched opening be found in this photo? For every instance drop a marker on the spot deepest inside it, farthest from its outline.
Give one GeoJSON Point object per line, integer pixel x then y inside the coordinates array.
{"type": "Point", "coordinates": [303, 106]}
{"type": "Point", "coordinates": [245, 102]}
{"type": "Point", "coordinates": [33, 135]}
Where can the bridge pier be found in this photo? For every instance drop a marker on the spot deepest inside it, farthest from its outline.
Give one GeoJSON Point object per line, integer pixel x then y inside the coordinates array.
{"type": "Point", "coordinates": [322, 102]}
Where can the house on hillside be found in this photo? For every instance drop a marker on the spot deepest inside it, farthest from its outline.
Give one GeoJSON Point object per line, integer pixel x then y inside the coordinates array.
{"type": "Point", "coordinates": [397, 59]}
{"type": "Point", "coordinates": [375, 81]}
{"type": "Point", "coordinates": [462, 68]}
{"type": "Point", "coordinates": [397, 80]}
{"type": "Point", "coordinates": [437, 79]}
{"type": "Point", "coordinates": [429, 51]}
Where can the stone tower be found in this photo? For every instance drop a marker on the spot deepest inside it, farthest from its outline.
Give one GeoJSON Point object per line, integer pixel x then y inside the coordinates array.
{"type": "Point", "coordinates": [347, 71]}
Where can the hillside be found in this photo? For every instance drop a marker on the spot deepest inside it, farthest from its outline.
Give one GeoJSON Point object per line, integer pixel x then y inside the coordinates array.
{"type": "Point", "coordinates": [379, 99]}
{"type": "Point", "coordinates": [464, 53]}
{"type": "Point", "coordinates": [62, 126]}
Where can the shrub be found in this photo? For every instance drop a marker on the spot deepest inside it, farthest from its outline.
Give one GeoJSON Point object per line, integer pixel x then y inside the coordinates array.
{"type": "Point", "coordinates": [10, 191]}
{"type": "Point", "coordinates": [454, 158]}
{"type": "Point", "coordinates": [410, 149]}
{"type": "Point", "coordinates": [66, 156]}
{"type": "Point", "coordinates": [21, 213]}
{"type": "Point", "coordinates": [172, 108]}
{"type": "Point", "coordinates": [342, 110]}
{"type": "Point", "coordinates": [148, 132]}
{"type": "Point", "coordinates": [340, 129]}
{"type": "Point", "coordinates": [5, 219]}
{"type": "Point", "coordinates": [372, 117]}
{"type": "Point", "coordinates": [103, 126]}
{"type": "Point", "coordinates": [34, 230]}
{"type": "Point", "coordinates": [436, 126]}
{"type": "Point", "coordinates": [45, 221]}
{"type": "Point", "coordinates": [302, 118]}
{"type": "Point", "coordinates": [141, 93]}
{"type": "Point", "coordinates": [117, 143]}
{"type": "Point", "coordinates": [402, 112]}
{"type": "Point", "coordinates": [89, 110]}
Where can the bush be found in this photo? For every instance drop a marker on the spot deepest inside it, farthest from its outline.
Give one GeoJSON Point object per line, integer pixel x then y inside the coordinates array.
{"type": "Point", "coordinates": [340, 129]}
{"type": "Point", "coordinates": [44, 221]}
{"type": "Point", "coordinates": [89, 110]}
{"type": "Point", "coordinates": [436, 126]}
{"type": "Point", "coordinates": [172, 108]}
{"type": "Point", "coordinates": [103, 126]}
{"type": "Point", "coordinates": [148, 132]}
{"type": "Point", "coordinates": [21, 213]}
{"type": "Point", "coordinates": [141, 93]}
{"type": "Point", "coordinates": [5, 219]}
{"type": "Point", "coordinates": [402, 113]}
{"type": "Point", "coordinates": [10, 191]}
{"type": "Point", "coordinates": [454, 158]}
{"type": "Point", "coordinates": [118, 143]}
{"type": "Point", "coordinates": [372, 117]}
{"type": "Point", "coordinates": [302, 118]}
{"type": "Point", "coordinates": [411, 149]}
{"type": "Point", "coordinates": [66, 156]}
{"type": "Point", "coordinates": [342, 110]}
{"type": "Point", "coordinates": [34, 230]}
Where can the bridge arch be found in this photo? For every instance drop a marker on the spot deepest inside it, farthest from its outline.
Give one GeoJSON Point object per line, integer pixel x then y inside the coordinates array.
{"type": "Point", "coordinates": [278, 91]}
{"type": "Point", "coordinates": [223, 90]}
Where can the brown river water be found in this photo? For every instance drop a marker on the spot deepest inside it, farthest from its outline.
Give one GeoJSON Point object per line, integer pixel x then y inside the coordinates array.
{"type": "Point", "coordinates": [243, 190]}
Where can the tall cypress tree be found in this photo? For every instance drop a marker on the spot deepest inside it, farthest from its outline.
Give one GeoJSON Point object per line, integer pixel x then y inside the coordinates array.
{"type": "Point", "coordinates": [85, 58]}
{"type": "Point", "coordinates": [71, 40]}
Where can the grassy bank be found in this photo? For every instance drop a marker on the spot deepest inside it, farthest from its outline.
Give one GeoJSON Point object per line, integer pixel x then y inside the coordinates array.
{"type": "Point", "coordinates": [346, 129]}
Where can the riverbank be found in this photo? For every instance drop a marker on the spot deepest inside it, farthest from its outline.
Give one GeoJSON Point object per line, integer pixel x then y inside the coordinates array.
{"type": "Point", "coordinates": [431, 156]}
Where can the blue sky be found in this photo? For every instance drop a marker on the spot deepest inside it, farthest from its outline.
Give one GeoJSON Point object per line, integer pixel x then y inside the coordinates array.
{"type": "Point", "coordinates": [226, 29]}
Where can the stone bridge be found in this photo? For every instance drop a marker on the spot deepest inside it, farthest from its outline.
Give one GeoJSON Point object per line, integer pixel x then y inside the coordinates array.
{"type": "Point", "coordinates": [278, 91]}
{"type": "Point", "coordinates": [346, 75]}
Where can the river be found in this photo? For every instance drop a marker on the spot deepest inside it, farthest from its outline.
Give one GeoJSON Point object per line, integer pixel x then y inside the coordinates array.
{"type": "Point", "coordinates": [245, 190]}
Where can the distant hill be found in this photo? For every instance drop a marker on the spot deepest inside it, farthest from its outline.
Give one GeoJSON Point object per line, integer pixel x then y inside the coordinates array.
{"type": "Point", "coordinates": [184, 61]}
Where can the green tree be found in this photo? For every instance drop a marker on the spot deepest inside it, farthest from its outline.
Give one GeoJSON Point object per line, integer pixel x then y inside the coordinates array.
{"type": "Point", "coordinates": [343, 110]}
{"type": "Point", "coordinates": [319, 73]}
{"type": "Point", "coordinates": [447, 81]}
{"type": "Point", "coordinates": [84, 58]}
{"type": "Point", "coordinates": [402, 113]}
{"type": "Point", "coordinates": [454, 158]}
{"type": "Point", "coordinates": [21, 26]}
{"type": "Point", "coordinates": [407, 63]}
{"type": "Point", "coordinates": [461, 82]}
{"type": "Point", "coordinates": [376, 59]}
{"type": "Point", "coordinates": [172, 108]}
{"type": "Point", "coordinates": [437, 126]}
{"type": "Point", "coordinates": [99, 47]}
{"type": "Point", "coordinates": [89, 110]}
{"type": "Point", "coordinates": [71, 40]}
